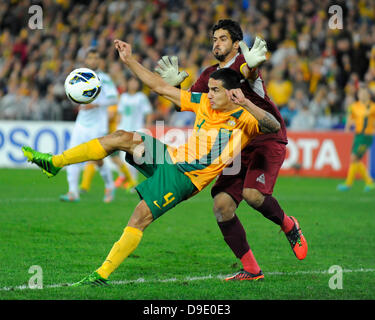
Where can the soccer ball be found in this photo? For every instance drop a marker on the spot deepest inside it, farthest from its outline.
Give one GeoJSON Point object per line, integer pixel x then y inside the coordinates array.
{"type": "Point", "coordinates": [82, 85]}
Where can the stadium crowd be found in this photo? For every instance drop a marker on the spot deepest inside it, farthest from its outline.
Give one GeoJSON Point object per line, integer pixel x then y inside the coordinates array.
{"type": "Point", "coordinates": [312, 73]}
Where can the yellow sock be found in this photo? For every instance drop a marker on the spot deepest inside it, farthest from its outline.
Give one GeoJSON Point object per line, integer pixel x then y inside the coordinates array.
{"type": "Point", "coordinates": [361, 168]}
{"type": "Point", "coordinates": [351, 174]}
{"type": "Point", "coordinates": [88, 175]}
{"type": "Point", "coordinates": [125, 170]}
{"type": "Point", "coordinates": [120, 251]}
{"type": "Point", "coordinates": [91, 150]}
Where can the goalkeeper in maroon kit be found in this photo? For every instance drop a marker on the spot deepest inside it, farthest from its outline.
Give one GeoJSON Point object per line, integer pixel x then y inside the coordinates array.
{"type": "Point", "coordinates": [261, 160]}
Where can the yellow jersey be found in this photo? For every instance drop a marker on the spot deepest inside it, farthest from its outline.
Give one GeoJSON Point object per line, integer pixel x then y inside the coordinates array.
{"type": "Point", "coordinates": [363, 117]}
{"type": "Point", "coordinates": [216, 139]}
{"type": "Point", "coordinates": [280, 92]}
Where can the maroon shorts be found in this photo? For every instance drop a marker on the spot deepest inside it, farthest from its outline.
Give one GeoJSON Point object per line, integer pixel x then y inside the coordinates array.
{"type": "Point", "coordinates": [260, 166]}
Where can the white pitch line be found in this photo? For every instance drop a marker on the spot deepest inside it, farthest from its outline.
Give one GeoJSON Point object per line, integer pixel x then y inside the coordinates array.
{"type": "Point", "coordinates": [309, 198]}
{"type": "Point", "coordinates": [189, 278]}
{"type": "Point", "coordinates": [8, 200]}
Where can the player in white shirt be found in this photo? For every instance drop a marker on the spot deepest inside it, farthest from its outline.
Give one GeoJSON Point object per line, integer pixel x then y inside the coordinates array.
{"type": "Point", "coordinates": [135, 111]}
{"type": "Point", "coordinates": [92, 122]}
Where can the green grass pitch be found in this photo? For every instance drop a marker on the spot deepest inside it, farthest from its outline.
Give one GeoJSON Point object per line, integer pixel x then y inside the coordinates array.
{"type": "Point", "coordinates": [182, 255]}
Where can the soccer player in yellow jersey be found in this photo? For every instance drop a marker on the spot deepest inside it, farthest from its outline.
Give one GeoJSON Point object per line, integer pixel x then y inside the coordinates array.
{"type": "Point", "coordinates": [361, 114]}
{"type": "Point", "coordinates": [225, 122]}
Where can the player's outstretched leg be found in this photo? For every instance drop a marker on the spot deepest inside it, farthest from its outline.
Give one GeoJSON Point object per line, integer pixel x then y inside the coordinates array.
{"type": "Point", "coordinates": [95, 149]}
{"type": "Point", "coordinates": [42, 160]}
{"type": "Point", "coordinates": [51, 165]}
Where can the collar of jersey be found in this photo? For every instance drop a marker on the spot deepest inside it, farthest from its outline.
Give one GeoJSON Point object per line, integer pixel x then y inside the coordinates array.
{"type": "Point", "coordinates": [229, 63]}
{"type": "Point", "coordinates": [228, 113]}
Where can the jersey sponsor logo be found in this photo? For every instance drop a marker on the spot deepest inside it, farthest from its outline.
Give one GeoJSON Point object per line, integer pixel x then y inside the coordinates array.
{"type": "Point", "coordinates": [231, 122]}
{"type": "Point", "coordinates": [261, 179]}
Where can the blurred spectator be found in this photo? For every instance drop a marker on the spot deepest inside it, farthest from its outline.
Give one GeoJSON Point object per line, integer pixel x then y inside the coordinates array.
{"type": "Point", "coordinates": [289, 111]}
{"type": "Point", "coordinates": [300, 99]}
{"type": "Point", "coordinates": [279, 89]}
{"type": "Point", "coordinates": [303, 120]}
{"type": "Point", "coordinates": [49, 106]}
{"type": "Point", "coordinates": [333, 98]}
{"type": "Point", "coordinates": [285, 50]}
{"type": "Point", "coordinates": [305, 55]}
{"type": "Point", "coordinates": [319, 109]}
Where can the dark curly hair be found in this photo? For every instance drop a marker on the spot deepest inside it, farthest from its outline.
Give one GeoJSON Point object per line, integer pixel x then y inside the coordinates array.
{"type": "Point", "coordinates": [231, 26]}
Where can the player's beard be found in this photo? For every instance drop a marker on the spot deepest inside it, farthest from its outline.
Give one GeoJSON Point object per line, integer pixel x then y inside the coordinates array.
{"type": "Point", "coordinates": [221, 57]}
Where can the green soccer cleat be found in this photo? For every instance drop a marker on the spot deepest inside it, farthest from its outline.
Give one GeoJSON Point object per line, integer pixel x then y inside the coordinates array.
{"type": "Point", "coordinates": [42, 160]}
{"type": "Point", "coordinates": [93, 279]}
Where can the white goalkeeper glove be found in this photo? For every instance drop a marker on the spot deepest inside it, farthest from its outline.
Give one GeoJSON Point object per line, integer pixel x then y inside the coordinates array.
{"type": "Point", "coordinates": [168, 69]}
{"type": "Point", "coordinates": [257, 54]}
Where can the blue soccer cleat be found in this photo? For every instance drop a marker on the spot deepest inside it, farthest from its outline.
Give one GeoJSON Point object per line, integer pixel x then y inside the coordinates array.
{"type": "Point", "coordinates": [343, 187]}
{"type": "Point", "coordinates": [69, 197]}
{"type": "Point", "coordinates": [369, 187]}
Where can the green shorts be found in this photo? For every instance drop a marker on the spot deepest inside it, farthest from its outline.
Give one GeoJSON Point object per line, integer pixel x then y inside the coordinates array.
{"type": "Point", "coordinates": [360, 144]}
{"type": "Point", "coordinates": [165, 186]}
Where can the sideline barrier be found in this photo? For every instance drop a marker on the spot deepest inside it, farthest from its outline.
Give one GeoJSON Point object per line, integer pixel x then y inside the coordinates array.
{"type": "Point", "coordinates": [45, 136]}
{"type": "Point", "coordinates": [319, 154]}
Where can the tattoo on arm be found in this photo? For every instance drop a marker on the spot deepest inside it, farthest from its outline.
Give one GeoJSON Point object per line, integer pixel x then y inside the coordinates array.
{"type": "Point", "coordinates": [269, 124]}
